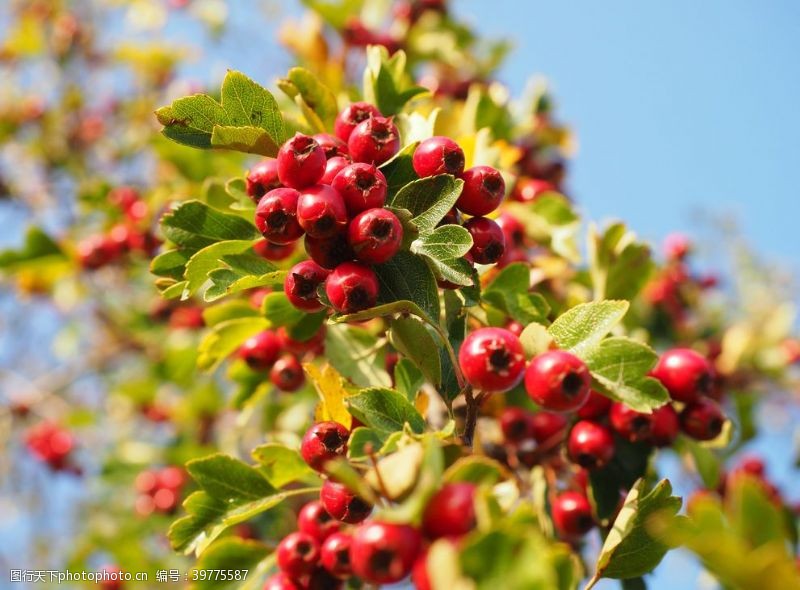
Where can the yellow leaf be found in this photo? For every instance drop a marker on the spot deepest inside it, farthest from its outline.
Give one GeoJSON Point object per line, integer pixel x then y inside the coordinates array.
{"type": "Point", "coordinates": [421, 402]}
{"type": "Point", "coordinates": [331, 390]}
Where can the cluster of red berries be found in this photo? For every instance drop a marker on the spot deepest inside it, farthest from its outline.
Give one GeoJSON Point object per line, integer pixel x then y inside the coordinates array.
{"type": "Point", "coordinates": [280, 354]}
{"type": "Point", "coordinates": [179, 316]}
{"type": "Point", "coordinates": [51, 444]}
{"type": "Point", "coordinates": [159, 490]}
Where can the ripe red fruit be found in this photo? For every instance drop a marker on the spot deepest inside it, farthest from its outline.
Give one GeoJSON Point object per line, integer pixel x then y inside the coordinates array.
{"type": "Point", "coordinates": [171, 477]}
{"type": "Point", "coordinates": [558, 380]}
{"type": "Point", "coordinates": [488, 241]}
{"type": "Point", "coordinates": [299, 347]}
{"type": "Point", "coordinates": [331, 145]}
{"type": "Point", "coordinates": [513, 230]}
{"type": "Point", "coordinates": [96, 251]}
{"type": "Point", "coordinates": [516, 424]}
{"type": "Point", "coordinates": [547, 427]}
{"type": "Point", "coordinates": [351, 116]}
{"type": "Point", "coordinates": [323, 442]}
{"type": "Point", "coordinates": [664, 427]}
{"type": "Point", "coordinates": [374, 141]}
{"type": "Point", "coordinates": [375, 235]}
{"type": "Point", "coordinates": [321, 211]}
{"type": "Point", "coordinates": [438, 155]}
{"type": "Point", "coordinates": [342, 504]}
{"type": "Point", "coordinates": [260, 351]}
{"type": "Point", "coordinates": [301, 162]}
{"type": "Point", "coordinates": [362, 187]}
{"type": "Point", "coordinates": [419, 573]}
{"type": "Point", "coordinates": [314, 520]}
{"type": "Point", "coordinates": [333, 166]}
{"type": "Point", "coordinates": [383, 552]}
{"type": "Point", "coordinates": [484, 189]}
{"type": "Point", "coordinates": [281, 581]}
{"type": "Point", "coordinates": [596, 407]}
{"type": "Point", "coordinates": [572, 514]}
{"type": "Point", "coordinates": [630, 424]}
{"type": "Point", "coordinates": [702, 419]}
{"type": "Point", "coordinates": [50, 443]}
{"type": "Point", "coordinates": [276, 216]}
{"type": "Point", "coordinates": [685, 373]}
{"type": "Point", "coordinates": [322, 579]}
{"type": "Point", "coordinates": [528, 189]}
{"type": "Point", "coordinates": [297, 554]}
{"type": "Point", "coordinates": [262, 178]}
{"type": "Point", "coordinates": [287, 373]}
{"type": "Point", "coordinates": [590, 444]}
{"type": "Point", "coordinates": [492, 359]}
{"type": "Point", "coordinates": [329, 252]}
{"type": "Point", "coordinates": [336, 555]}
{"type": "Point", "coordinates": [450, 512]}
{"type": "Point", "coordinates": [274, 252]}
{"type": "Point", "coordinates": [301, 285]}
{"type": "Point", "coordinates": [123, 197]}
{"type": "Point", "coordinates": [352, 287]}
{"type": "Point", "coordinates": [676, 246]}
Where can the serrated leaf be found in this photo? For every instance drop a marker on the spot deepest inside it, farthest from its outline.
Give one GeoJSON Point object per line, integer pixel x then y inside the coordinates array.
{"type": "Point", "coordinates": [408, 378]}
{"type": "Point", "coordinates": [226, 478]}
{"type": "Point", "coordinates": [387, 84]}
{"type": "Point", "coordinates": [407, 278]}
{"type": "Point", "coordinates": [171, 263]}
{"type": "Point", "coordinates": [363, 441]}
{"type": "Point", "coordinates": [619, 265]}
{"type": "Point", "coordinates": [207, 259]}
{"type": "Point", "coordinates": [444, 248]}
{"type": "Point", "coordinates": [385, 411]}
{"type": "Point", "coordinates": [414, 340]}
{"type": "Point", "coordinates": [278, 310]}
{"type": "Point", "coordinates": [195, 225]}
{"type": "Point", "coordinates": [314, 94]}
{"type": "Point", "coordinates": [36, 245]}
{"type": "Point", "coordinates": [355, 353]}
{"type": "Point", "coordinates": [581, 328]}
{"type": "Point", "coordinates": [281, 465]}
{"type": "Point", "coordinates": [225, 338]}
{"type": "Point", "coordinates": [428, 199]}
{"type": "Point", "coordinates": [509, 292]}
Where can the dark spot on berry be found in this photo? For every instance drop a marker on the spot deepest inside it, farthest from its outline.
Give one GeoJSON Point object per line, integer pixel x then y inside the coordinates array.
{"type": "Point", "coordinates": [303, 548]}
{"type": "Point", "coordinates": [586, 461]}
{"type": "Point", "coordinates": [331, 440]}
{"type": "Point", "coordinates": [585, 522]}
{"type": "Point", "coordinates": [358, 115]}
{"type": "Point", "coordinates": [640, 425]}
{"type": "Point", "coordinates": [364, 182]}
{"type": "Point", "coordinates": [357, 297]}
{"type": "Point", "coordinates": [454, 161]}
{"type": "Point", "coordinates": [499, 359]}
{"type": "Point", "coordinates": [493, 251]}
{"type": "Point", "coordinates": [705, 383]}
{"type": "Point", "coordinates": [715, 427]}
{"type": "Point", "coordinates": [304, 287]}
{"type": "Point", "coordinates": [343, 557]}
{"type": "Point", "coordinates": [380, 228]}
{"type": "Point", "coordinates": [304, 146]}
{"type": "Point", "coordinates": [277, 219]}
{"type": "Point", "coordinates": [492, 182]}
{"type": "Point", "coordinates": [518, 428]}
{"type": "Point", "coordinates": [382, 561]}
{"type": "Point", "coordinates": [324, 224]}
{"type": "Point", "coordinates": [518, 237]}
{"type": "Point", "coordinates": [572, 383]}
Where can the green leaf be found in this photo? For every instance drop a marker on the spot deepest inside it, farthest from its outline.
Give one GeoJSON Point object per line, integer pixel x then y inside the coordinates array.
{"type": "Point", "coordinates": [408, 378]}
{"type": "Point", "coordinates": [362, 442]}
{"type": "Point", "coordinates": [581, 328]}
{"type": "Point", "coordinates": [222, 476]}
{"type": "Point", "coordinates": [428, 199]}
{"type": "Point", "coordinates": [354, 352]}
{"type": "Point", "coordinates": [335, 12]}
{"type": "Point", "coordinates": [279, 311]}
{"type": "Point", "coordinates": [444, 248]}
{"type": "Point", "coordinates": [37, 245]}
{"type": "Point", "coordinates": [399, 170]}
{"type": "Point", "coordinates": [230, 310]}
{"type": "Point", "coordinates": [387, 84]}
{"type": "Point", "coordinates": [300, 82]}
{"type": "Point", "coordinates": [475, 469]}
{"type": "Point", "coordinates": [407, 278]}
{"type": "Point", "coordinates": [705, 461]}
{"type": "Point", "coordinates": [281, 465]}
{"type": "Point", "coordinates": [535, 339]}
{"type": "Point", "coordinates": [226, 281]}
{"type": "Point", "coordinates": [414, 340]}
{"type": "Point", "coordinates": [229, 557]}
{"type": "Point", "coordinates": [171, 263]}
{"type": "Point", "coordinates": [225, 338]}
{"type": "Point", "coordinates": [619, 265]}
{"type": "Point", "coordinates": [209, 258]}
{"type": "Point", "coordinates": [195, 225]}
{"type": "Point", "coordinates": [629, 463]}
{"type": "Point", "coordinates": [384, 411]}
{"type": "Point", "coordinates": [509, 292]}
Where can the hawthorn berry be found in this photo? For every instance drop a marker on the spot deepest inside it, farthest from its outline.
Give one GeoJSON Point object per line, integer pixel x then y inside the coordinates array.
{"type": "Point", "coordinates": [50, 443]}
{"type": "Point", "coordinates": [664, 426]}
{"type": "Point", "coordinates": [96, 251]}
{"type": "Point", "coordinates": [281, 581]}
{"type": "Point", "coordinates": [547, 427]}
{"type": "Point", "coordinates": [276, 216]}
{"type": "Point", "coordinates": [492, 359]}
{"type": "Point", "coordinates": [260, 351]}
{"type": "Point", "coordinates": [297, 554]}
{"type": "Point", "coordinates": [374, 141]}
{"type": "Point", "coordinates": [590, 445]}
{"type": "Point", "coordinates": [322, 579]}
{"type": "Point", "coordinates": [596, 406]}
{"type": "Point", "coordinates": [702, 419]}
{"type": "Point", "coordinates": [352, 287]}
{"type": "Point", "coordinates": [419, 573]}
{"type": "Point", "coordinates": [513, 230]}
{"type": "Point", "coordinates": [558, 381]}
{"type": "Point", "coordinates": [484, 189]}
{"type": "Point", "coordinates": [335, 554]}
{"type": "Point", "coordinates": [375, 235]}
{"type": "Point", "coordinates": [630, 424]}
{"type": "Point", "coordinates": [299, 347]}
{"type": "Point", "coordinates": [321, 211]}
{"type": "Point", "coordinates": [529, 189]}
{"type": "Point", "coordinates": [333, 166]}
{"type": "Point", "coordinates": [438, 155]}
{"type": "Point", "coordinates": [686, 374]}
{"type": "Point", "coordinates": [516, 424]}
{"type": "Point", "coordinates": [384, 552]}
{"type": "Point", "coordinates": [287, 373]}
{"type": "Point", "coordinates": [262, 178]}
{"type": "Point", "coordinates": [572, 514]}
{"type": "Point", "coordinates": [329, 252]}
{"type": "Point", "coordinates": [351, 116]}
{"type": "Point", "coordinates": [488, 241]}
{"type": "Point", "coordinates": [676, 246]}
{"type": "Point", "coordinates": [331, 145]}
{"type": "Point", "coordinates": [362, 187]}
{"type": "Point", "coordinates": [301, 285]}
{"type": "Point", "coordinates": [342, 504]}
{"type": "Point", "coordinates": [301, 162]}
{"type": "Point", "coordinates": [274, 252]}
{"type": "Point", "coordinates": [323, 442]}
{"type": "Point", "coordinates": [314, 520]}
{"type": "Point", "coordinates": [450, 512]}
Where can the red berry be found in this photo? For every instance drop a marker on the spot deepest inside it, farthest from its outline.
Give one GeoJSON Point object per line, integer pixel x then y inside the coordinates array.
{"type": "Point", "coordinates": [297, 554]}
{"type": "Point", "coordinates": [321, 211]}
{"type": "Point", "coordinates": [590, 445]}
{"type": "Point", "coordinates": [329, 252]}
{"type": "Point", "coordinates": [685, 373]}
{"type": "Point", "coordinates": [351, 116]}
{"type": "Point", "coordinates": [595, 408]}
{"type": "Point", "coordinates": [702, 419]}
{"type": "Point", "coordinates": [438, 155]}
{"type": "Point", "coordinates": [558, 380]}
{"type": "Point", "coordinates": [513, 230]}
{"type": "Point", "coordinates": [96, 251]}
{"type": "Point", "coordinates": [281, 581]}
{"type": "Point", "coordinates": [572, 514]}
{"type": "Point", "coordinates": [374, 141]}
{"type": "Point", "coordinates": [484, 189]}
{"type": "Point", "coordinates": [262, 178]}
{"type": "Point", "coordinates": [676, 246]}
{"type": "Point", "coordinates": [630, 424]}
{"type": "Point", "coordinates": [314, 520]}
{"type": "Point", "coordinates": [383, 552]}
{"type": "Point", "coordinates": [123, 197]}
{"type": "Point", "coordinates": [342, 504]}
{"type": "Point", "coordinates": [276, 216]}
{"type": "Point", "coordinates": [171, 477]}
{"type": "Point", "coordinates": [664, 427]}
{"type": "Point", "coordinates": [516, 424]}
{"type": "Point", "coordinates": [331, 145]}
{"type": "Point", "coordinates": [352, 287]}
{"type": "Point", "coordinates": [323, 442]}
{"type": "Point", "coordinates": [419, 573]}
{"type": "Point", "coordinates": [322, 579]}
{"type": "Point", "coordinates": [529, 189]}
{"type": "Point", "coordinates": [492, 359]}
{"type": "Point", "coordinates": [301, 162]}
{"type": "Point", "coordinates": [450, 512]}
{"type": "Point", "coordinates": [375, 235]}
{"type": "Point", "coordinates": [336, 555]}
{"type": "Point", "coordinates": [261, 350]}
{"type": "Point", "coordinates": [333, 166]}
{"type": "Point", "coordinates": [548, 427]}
{"type": "Point", "coordinates": [488, 241]}
{"type": "Point", "coordinates": [274, 252]}
{"type": "Point", "coordinates": [301, 285]}
{"type": "Point", "coordinates": [299, 347]}
{"type": "Point", "coordinates": [287, 373]}
{"type": "Point", "coordinates": [362, 187]}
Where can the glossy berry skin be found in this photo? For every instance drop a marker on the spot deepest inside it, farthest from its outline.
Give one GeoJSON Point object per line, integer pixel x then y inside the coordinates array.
{"type": "Point", "coordinates": [331, 145]}
{"type": "Point", "coordinates": [685, 373]}
{"type": "Point", "coordinates": [492, 359]}
{"type": "Point", "coordinates": [342, 504]}
{"type": "Point", "coordinates": [322, 579]}
{"type": "Point", "coordinates": [572, 515]}
{"type": "Point", "coordinates": [260, 351]}
{"type": "Point", "coordinates": [323, 442]}
{"type": "Point", "coordinates": [362, 187]}
{"type": "Point", "coordinates": [419, 573]}
{"type": "Point", "coordinates": [262, 178]}
{"type": "Point", "coordinates": [276, 216]}
{"type": "Point", "coordinates": [484, 189]}
{"type": "Point", "coordinates": [301, 285]}
{"type": "Point", "coordinates": [374, 141]}
{"type": "Point", "coordinates": [297, 554]}
{"type": "Point", "coordinates": [702, 419]}
{"type": "Point", "coordinates": [351, 116]}
{"type": "Point", "coordinates": [321, 211]}
{"type": "Point", "coordinates": [630, 424]}
{"type": "Point", "coordinates": [274, 252]}
{"type": "Point", "coordinates": [529, 189]}
{"type": "Point", "coordinates": [548, 427]}
{"type": "Point", "coordinates": [590, 445]}
{"type": "Point", "coordinates": [664, 427]}
{"type": "Point", "coordinates": [596, 407]}
{"type": "Point", "coordinates": [335, 555]}
{"type": "Point", "coordinates": [287, 373]}
{"type": "Point", "coordinates": [558, 381]}
{"type": "Point", "coordinates": [383, 552]}
{"type": "Point", "coordinates": [352, 287]}
{"type": "Point", "coordinates": [333, 166]}
{"type": "Point", "coordinates": [314, 520]}
{"type": "Point", "coordinates": [375, 235]}
{"type": "Point", "coordinates": [281, 581]}
{"type": "Point", "coordinates": [438, 155]}
{"type": "Point", "coordinates": [488, 241]}
{"type": "Point", "coordinates": [301, 162]}
{"type": "Point", "coordinates": [450, 512]}
{"type": "Point", "coordinates": [516, 425]}
{"type": "Point", "coordinates": [329, 252]}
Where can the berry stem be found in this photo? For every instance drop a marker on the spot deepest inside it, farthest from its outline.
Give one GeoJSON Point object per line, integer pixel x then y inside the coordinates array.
{"type": "Point", "coordinates": [473, 403]}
